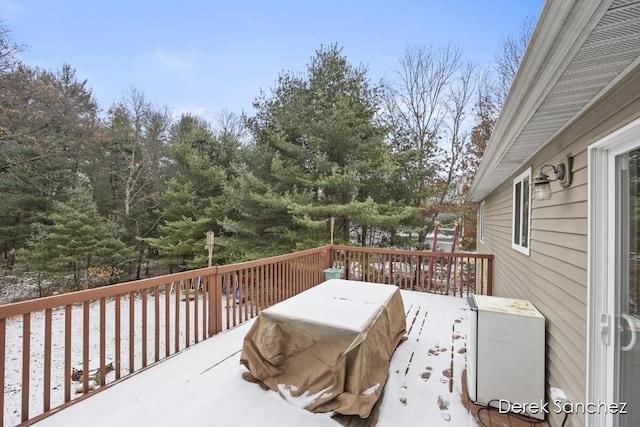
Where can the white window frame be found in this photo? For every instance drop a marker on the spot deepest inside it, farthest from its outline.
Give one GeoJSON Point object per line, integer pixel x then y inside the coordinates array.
{"type": "Point", "coordinates": [518, 218]}
{"type": "Point", "coordinates": [481, 217]}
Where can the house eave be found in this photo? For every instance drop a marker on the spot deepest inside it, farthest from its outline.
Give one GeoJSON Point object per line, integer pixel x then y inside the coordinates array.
{"type": "Point", "coordinates": [562, 72]}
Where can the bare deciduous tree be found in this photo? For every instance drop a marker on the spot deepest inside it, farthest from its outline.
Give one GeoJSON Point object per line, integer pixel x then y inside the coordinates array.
{"type": "Point", "coordinates": [415, 99]}
{"type": "Point", "coordinates": [426, 111]}
{"type": "Point", "coordinates": [138, 133]}
{"type": "Point", "coordinates": [229, 125]}
{"type": "Point", "coordinates": [493, 86]}
{"type": "Point", "coordinates": [9, 50]}
{"type": "Point", "coordinates": [457, 136]}
{"type": "Point", "coordinates": [507, 60]}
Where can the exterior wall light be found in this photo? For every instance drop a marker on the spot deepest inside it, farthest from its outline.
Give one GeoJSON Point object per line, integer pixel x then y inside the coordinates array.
{"type": "Point", "coordinates": [541, 183]}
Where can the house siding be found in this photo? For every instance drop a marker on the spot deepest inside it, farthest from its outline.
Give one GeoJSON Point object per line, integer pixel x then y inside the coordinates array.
{"type": "Point", "coordinates": [554, 276]}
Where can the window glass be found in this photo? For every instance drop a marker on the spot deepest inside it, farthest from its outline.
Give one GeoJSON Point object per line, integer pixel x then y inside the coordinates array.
{"type": "Point", "coordinates": [517, 214]}
{"type": "Point", "coordinates": [521, 212]}
{"type": "Point", "coordinates": [524, 241]}
{"type": "Point", "coordinates": [481, 222]}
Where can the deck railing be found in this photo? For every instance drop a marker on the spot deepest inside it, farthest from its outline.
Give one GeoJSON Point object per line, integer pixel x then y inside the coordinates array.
{"type": "Point", "coordinates": [58, 349]}
{"type": "Point", "coordinates": [456, 274]}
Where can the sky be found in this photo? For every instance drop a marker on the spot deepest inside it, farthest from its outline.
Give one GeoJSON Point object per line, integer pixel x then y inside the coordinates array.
{"type": "Point", "coordinates": [204, 57]}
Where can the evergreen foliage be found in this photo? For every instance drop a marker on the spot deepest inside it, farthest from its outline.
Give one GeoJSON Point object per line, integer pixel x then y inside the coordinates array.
{"type": "Point", "coordinates": [318, 152]}
{"type": "Point", "coordinates": [75, 246]}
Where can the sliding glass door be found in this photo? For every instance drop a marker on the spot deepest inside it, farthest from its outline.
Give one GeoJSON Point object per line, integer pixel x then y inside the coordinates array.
{"type": "Point", "coordinates": [626, 343]}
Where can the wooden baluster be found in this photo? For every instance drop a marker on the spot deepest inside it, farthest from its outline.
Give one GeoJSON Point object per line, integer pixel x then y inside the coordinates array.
{"type": "Point", "coordinates": [196, 310]}
{"type": "Point", "coordinates": [176, 329]}
{"type": "Point", "coordinates": [67, 352]}
{"type": "Point", "coordinates": [156, 330]}
{"type": "Point", "coordinates": [46, 404]}
{"type": "Point", "coordinates": [144, 327]}
{"type": "Point", "coordinates": [167, 318]}
{"type": "Point", "coordinates": [187, 312]}
{"type": "Point", "coordinates": [118, 327]}
{"type": "Point", "coordinates": [103, 340]}
{"type": "Point", "coordinates": [26, 356]}
{"type": "Point", "coordinates": [85, 347]}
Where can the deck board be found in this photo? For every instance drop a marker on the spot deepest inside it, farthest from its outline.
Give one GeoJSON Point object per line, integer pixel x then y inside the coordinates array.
{"type": "Point", "coordinates": [204, 384]}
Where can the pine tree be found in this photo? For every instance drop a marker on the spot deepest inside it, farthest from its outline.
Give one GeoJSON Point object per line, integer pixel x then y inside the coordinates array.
{"type": "Point", "coordinates": [47, 121]}
{"type": "Point", "coordinates": [195, 201]}
{"type": "Point", "coordinates": [74, 246]}
{"type": "Point", "coordinates": [318, 153]}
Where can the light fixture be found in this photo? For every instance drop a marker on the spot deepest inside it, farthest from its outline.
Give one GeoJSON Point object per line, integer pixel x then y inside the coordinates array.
{"type": "Point", "coordinates": [541, 183]}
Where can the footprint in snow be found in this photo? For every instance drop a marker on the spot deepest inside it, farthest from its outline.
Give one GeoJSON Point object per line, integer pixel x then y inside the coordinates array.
{"type": "Point", "coordinates": [427, 374]}
{"type": "Point", "coordinates": [436, 350]}
{"type": "Point", "coordinates": [401, 394]}
{"type": "Point", "coordinates": [443, 404]}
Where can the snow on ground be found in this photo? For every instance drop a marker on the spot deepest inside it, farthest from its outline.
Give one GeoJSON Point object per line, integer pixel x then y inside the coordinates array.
{"type": "Point", "coordinates": [419, 386]}
{"type": "Point", "coordinates": [203, 386]}
{"type": "Point", "coordinates": [14, 335]}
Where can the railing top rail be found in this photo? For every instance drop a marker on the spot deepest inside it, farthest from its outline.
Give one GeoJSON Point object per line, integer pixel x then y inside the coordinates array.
{"type": "Point", "coordinates": [23, 307]}
{"type": "Point", "coordinates": [18, 308]}
{"type": "Point", "coordinates": [411, 252]}
{"type": "Point", "coordinates": [270, 260]}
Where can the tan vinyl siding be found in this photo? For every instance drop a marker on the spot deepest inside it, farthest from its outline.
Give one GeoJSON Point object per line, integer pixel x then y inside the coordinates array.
{"type": "Point", "coordinates": [554, 276]}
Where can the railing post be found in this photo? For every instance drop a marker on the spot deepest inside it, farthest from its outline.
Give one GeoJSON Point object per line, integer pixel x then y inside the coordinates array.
{"type": "Point", "coordinates": [490, 276]}
{"type": "Point", "coordinates": [325, 262]}
{"type": "Point", "coordinates": [215, 302]}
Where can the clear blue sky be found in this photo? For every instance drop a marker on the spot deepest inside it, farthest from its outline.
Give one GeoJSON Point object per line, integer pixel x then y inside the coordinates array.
{"type": "Point", "coordinates": [205, 56]}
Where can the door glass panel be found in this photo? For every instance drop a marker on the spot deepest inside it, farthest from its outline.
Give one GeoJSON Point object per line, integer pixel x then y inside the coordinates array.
{"type": "Point", "coordinates": [627, 348]}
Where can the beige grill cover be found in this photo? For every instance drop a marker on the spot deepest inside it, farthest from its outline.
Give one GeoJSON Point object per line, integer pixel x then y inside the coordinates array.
{"type": "Point", "coordinates": [328, 348]}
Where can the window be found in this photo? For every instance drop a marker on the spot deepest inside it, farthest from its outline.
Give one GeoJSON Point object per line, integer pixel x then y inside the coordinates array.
{"type": "Point", "coordinates": [521, 212]}
{"type": "Point", "coordinates": [481, 222]}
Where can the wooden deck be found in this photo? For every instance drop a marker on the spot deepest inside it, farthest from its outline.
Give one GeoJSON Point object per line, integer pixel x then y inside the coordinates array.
{"type": "Point", "coordinates": [203, 385]}
{"type": "Point", "coordinates": [435, 351]}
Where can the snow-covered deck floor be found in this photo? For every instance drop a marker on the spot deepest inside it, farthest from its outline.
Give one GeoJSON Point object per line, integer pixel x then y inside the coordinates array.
{"type": "Point", "coordinates": [203, 385]}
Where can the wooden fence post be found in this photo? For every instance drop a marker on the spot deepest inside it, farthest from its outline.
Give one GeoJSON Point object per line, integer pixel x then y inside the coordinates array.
{"type": "Point", "coordinates": [215, 302]}
{"type": "Point", "coordinates": [490, 276]}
